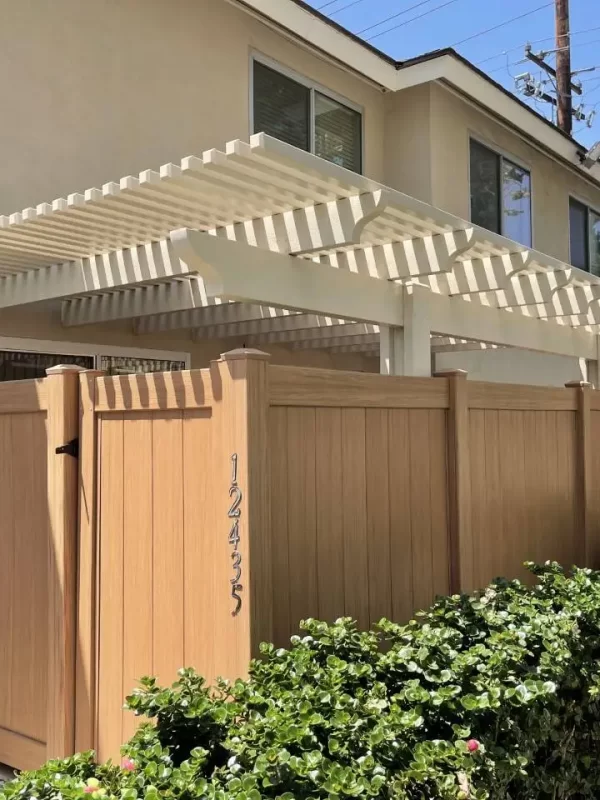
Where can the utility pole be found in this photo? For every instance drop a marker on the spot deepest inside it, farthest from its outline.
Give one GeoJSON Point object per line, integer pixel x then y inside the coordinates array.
{"type": "Point", "coordinates": [563, 67]}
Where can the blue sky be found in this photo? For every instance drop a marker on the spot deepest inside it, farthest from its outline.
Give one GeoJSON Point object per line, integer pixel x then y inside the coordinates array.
{"type": "Point", "coordinates": [455, 20]}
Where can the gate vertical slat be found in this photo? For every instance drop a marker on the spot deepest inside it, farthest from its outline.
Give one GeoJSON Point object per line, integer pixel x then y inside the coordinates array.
{"type": "Point", "coordinates": [85, 657]}
{"type": "Point", "coordinates": [63, 474]}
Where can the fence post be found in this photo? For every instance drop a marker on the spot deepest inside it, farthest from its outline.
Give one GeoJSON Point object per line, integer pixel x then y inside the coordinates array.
{"type": "Point", "coordinates": [63, 429]}
{"type": "Point", "coordinates": [85, 657]}
{"type": "Point", "coordinates": [459, 483]}
{"type": "Point", "coordinates": [243, 445]}
{"type": "Point", "coordinates": [584, 471]}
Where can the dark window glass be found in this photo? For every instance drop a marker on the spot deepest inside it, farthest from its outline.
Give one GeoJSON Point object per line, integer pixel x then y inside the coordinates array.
{"type": "Point", "coordinates": [516, 203]}
{"type": "Point", "coordinates": [25, 366]}
{"type": "Point", "coordinates": [485, 188]}
{"type": "Point", "coordinates": [578, 228]}
{"type": "Point", "coordinates": [594, 227]}
{"type": "Point", "coordinates": [337, 133]}
{"type": "Point", "coordinates": [281, 107]}
{"type": "Point", "coordinates": [123, 365]}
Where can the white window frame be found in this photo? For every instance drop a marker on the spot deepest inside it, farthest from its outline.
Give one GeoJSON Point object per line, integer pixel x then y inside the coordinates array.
{"type": "Point", "coordinates": [95, 351]}
{"type": "Point", "coordinates": [590, 208]}
{"type": "Point", "coordinates": [503, 155]}
{"type": "Point", "coordinates": [313, 86]}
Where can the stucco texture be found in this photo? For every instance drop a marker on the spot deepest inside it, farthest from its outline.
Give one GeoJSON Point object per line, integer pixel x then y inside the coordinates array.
{"type": "Point", "coordinates": [100, 89]}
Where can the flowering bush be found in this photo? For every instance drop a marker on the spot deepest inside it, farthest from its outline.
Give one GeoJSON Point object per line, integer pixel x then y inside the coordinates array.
{"type": "Point", "coordinates": [490, 696]}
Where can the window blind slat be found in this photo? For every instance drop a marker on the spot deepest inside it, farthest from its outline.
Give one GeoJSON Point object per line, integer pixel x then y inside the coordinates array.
{"type": "Point", "coordinates": [337, 133]}
{"type": "Point", "coordinates": [281, 107]}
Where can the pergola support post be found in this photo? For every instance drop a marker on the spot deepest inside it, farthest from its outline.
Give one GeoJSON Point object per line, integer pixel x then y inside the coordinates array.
{"type": "Point", "coordinates": [407, 350]}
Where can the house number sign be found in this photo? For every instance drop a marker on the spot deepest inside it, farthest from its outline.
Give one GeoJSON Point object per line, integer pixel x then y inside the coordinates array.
{"type": "Point", "coordinates": [235, 512]}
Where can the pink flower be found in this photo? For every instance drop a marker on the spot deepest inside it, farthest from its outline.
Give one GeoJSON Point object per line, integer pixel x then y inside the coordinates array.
{"type": "Point", "coordinates": [472, 745]}
{"type": "Point", "coordinates": [90, 789]}
{"type": "Point", "coordinates": [128, 764]}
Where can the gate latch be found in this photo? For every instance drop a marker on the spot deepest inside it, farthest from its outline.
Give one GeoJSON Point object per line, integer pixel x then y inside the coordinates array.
{"type": "Point", "coordinates": [69, 449]}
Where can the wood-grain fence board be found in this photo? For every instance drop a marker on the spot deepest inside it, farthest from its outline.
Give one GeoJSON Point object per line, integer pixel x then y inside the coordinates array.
{"type": "Point", "coordinates": [377, 478]}
{"type": "Point", "coordinates": [138, 567]}
{"type": "Point", "coordinates": [401, 515]}
{"type": "Point", "coordinates": [330, 512]}
{"type": "Point", "coordinates": [168, 552]}
{"type": "Point", "coordinates": [112, 481]}
{"type": "Point", "coordinates": [354, 509]}
{"type": "Point", "coordinates": [301, 386]}
{"type": "Point", "coordinates": [278, 437]}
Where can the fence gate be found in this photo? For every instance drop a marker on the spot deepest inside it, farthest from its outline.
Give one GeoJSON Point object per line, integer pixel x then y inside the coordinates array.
{"type": "Point", "coordinates": [38, 514]}
{"type": "Point", "coordinates": [165, 477]}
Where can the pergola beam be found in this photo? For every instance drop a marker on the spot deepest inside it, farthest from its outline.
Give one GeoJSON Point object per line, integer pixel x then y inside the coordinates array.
{"type": "Point", "coordinates": [239, 272]}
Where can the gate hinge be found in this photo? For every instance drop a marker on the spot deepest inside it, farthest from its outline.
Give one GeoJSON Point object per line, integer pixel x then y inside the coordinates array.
{"type": "Point", "coordinates": [69, 449]}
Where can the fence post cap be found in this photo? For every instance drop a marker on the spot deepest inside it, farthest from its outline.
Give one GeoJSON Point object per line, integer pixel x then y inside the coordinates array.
{"type": "Point", "coordinates": [451, 373]}
{"type": "Point", "coordinates": [578, 385]}
{"type": "Point", "coordinates": [63, 369]}
{"type": "Point", "coordinates": [245, 353]}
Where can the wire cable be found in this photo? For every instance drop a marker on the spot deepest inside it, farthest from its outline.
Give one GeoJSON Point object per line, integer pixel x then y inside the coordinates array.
{"type": "Point", "coordinates": [348, 5]}
{"type": "Point", "coordinates": [537, 41]}
{"type": "Point", "coordinates": [330, 3]}
{"type": "Point", "coordinates": [394, 16]}
{"type": "Point", "coordinates": [502, 24]}
{"type": "Point", "coordinates": [412, 19]}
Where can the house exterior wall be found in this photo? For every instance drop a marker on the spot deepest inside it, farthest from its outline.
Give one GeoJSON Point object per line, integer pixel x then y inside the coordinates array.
{"type": "Point", "coordinates": [108, 88]}
{"type": "Point", "coordinates": [407, 154]}
{"type": "Point", "coordinates": [453, 122]}
{"type": "Point", "coordinates": [513, 366]}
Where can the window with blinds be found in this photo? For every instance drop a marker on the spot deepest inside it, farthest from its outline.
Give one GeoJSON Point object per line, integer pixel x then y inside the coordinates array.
{"type": "Point", "coordinates": [124, 365]}
{"type": "Point", "coordinates": [20, 366]}
{"type": "Point", "coordinates": [584, 234]}
{"type": "Point", "coordinates": [306, 118]}
{"type": "Point", "coordinates": [500, 194]}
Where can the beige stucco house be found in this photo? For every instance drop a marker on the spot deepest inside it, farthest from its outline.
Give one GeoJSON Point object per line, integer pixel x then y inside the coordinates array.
{"type": "Point", "coordinates": [109, 88]}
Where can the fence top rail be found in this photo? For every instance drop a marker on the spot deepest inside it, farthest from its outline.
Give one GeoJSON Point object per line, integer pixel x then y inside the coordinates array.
{"type": "Point", "coordinates": [23, 397]}
{"type": "Point", "coordinates": [515, 397]}
{"type": "Point", "coordinates": [303, 386]}
{"type": "Point", "coordinates": [157, 391]}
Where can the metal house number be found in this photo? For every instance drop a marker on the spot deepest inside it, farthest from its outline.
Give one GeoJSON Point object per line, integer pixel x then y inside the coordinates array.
{"type": "Point", "coordinates": [235, 512]}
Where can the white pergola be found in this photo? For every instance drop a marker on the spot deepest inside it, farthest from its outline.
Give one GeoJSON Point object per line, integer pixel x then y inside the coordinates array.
{"type": "Point", "coordinates": [276, 245]}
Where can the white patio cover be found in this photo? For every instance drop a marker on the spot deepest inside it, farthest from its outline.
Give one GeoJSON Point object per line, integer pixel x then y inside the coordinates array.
{"type": "Point", "coordinates": [272, 243]}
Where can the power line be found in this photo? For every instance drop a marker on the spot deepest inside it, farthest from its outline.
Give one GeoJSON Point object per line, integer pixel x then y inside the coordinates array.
{"type": "Point", "coordinates": [536, 41]}
{"type": "Point", "coordinates": [330, 3]}
{"type": "Point", "coordinates": [388, 19]}
{"type": "Point", "coordinates": [412, 19]}
{"type": "Point", "coordinates": [502, 24]}
{"type": "Point", "coordinates": [348, 5]}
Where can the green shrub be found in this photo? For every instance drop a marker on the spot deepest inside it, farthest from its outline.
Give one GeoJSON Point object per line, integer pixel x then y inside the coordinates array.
{"type": "Point", "coordinates": [490, 696]}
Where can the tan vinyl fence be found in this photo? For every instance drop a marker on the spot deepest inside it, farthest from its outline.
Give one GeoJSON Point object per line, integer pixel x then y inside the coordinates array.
{"type": "Point", "coordinates": [38, 528]}
{"type": "Point", "coordinates": [219, 507]}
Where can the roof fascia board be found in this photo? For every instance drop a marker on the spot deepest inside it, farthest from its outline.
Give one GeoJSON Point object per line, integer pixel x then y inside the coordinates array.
{"type": "Point", "coordinates": [318, 34]}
